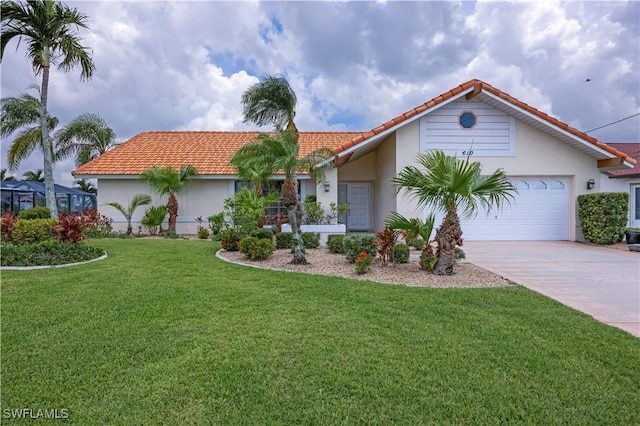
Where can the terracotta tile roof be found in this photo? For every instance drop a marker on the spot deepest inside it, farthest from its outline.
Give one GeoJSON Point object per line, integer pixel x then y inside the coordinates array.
{"type": "Point", "coordinates": [633, 151]}
{"type": "Point", "coordinates": [479, 86]}
{"type": "Point", "coordinates": [208, 152]}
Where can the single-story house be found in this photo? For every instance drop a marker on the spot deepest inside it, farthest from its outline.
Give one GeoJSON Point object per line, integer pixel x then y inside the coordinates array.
{"type": "Point", "coordinates": [549, 162]}
{"type": "Point", "coordinates": [626, 180]}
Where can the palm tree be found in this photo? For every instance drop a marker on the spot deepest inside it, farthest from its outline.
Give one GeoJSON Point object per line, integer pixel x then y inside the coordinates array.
{"type": "Point", "coordinates": [22, 114]}
{"type": "Point", "coordinates": [448, 184]}
{"type": "Point", "coordinates": [87, 136]}
{"type": "Point", "coordinates": [280, 154]}
{"type": "Point", "coordinates": [86, 186]}
{"type": "Point", "coordinates": [166, 180]}
{"type": "Point", "coordinates": [4, 176]}
{"type": "Point", "coordinates": [271, 101]}
{"type": "Point", "coordinates": [34, 176]}
{"type": "Point", "coordinates": [48, 29]}
{"type": "Point", "coordinates": [415, 227]}
{"type": "Point", "coordinates": [136, 201]}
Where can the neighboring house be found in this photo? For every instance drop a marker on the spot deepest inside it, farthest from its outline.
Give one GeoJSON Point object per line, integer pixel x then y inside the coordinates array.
{"type": "Point", "coordinates": [626, 180]}
{"type": "Point", "coordinates": [549, 162]}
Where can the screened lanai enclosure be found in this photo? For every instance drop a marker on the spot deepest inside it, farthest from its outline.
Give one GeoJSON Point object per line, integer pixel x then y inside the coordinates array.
{"type": "Point", "coordinates": [22, 195]}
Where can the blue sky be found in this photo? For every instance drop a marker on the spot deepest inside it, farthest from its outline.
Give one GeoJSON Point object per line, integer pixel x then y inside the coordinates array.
{"type": "Point", "coordinates": [183, 65]}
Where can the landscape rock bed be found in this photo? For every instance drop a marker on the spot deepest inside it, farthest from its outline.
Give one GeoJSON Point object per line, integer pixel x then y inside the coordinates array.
{"type": "Point", "coordinates": [323, 262]}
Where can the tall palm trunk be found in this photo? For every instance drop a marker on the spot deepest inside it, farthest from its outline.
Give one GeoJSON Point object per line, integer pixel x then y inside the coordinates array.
{"type": "Point", "coordinates": [47, 149]}
{"type": "Point", "coordinates": [172, 209]}
{"type": "Point", "coordinates": [448, 236]}
{"type": "Point", "coordinates": [290, 199]}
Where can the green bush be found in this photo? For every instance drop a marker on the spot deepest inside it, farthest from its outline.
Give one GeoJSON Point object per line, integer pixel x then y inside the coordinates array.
{"type": "Point", "coordinates": [334, 243]}
{"type": "Point", "coordinates": [35, 213]}
{"type": "Point", "coordinates": [47, 253]}
{"type": "Point", "coordinates": [418, 243]}
{"type": "Point", "coordinates": [256, 248]}
{"type": "Point", "coordinates": [284, 240]}
{"type": "Point", "coordinates": [262, 233]}
{"type": "Point", "coordinates": [33, 231]}
{"type": "Point", "coordinates": [458, 253]}
{"type": "Point", "coordinates": [170, 234]}
{"type": "Point", "coordinates": [311, 240]}
{"type": "Point", "coordinates": [355, 244]}
{"type": "Point", "coordinates": [203, 233]}
{"type": "Point", "coordinates": [603, 216]}
{"type": "Point", "coordinates": [400, 253]}
{"type": "Point", "coordinates": [229, 239]}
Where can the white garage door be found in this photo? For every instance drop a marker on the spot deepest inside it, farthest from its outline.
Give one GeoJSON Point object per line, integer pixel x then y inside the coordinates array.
{"type": "Point", "coordinates": [540, 211]}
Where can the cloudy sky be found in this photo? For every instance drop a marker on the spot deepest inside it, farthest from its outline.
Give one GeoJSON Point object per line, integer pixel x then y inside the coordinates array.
{"type": "Point", "coordinates": [183, 65]}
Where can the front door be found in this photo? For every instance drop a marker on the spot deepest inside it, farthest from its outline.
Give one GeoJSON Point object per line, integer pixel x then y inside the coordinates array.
{"type": "Point", "coordinates": [358, 201]}
{"type": "Point", "coordinates": [634, 217]}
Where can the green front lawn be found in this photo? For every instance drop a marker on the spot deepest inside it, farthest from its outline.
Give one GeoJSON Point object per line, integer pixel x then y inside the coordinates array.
{"type": "Point", "coordinates": [162, 332]}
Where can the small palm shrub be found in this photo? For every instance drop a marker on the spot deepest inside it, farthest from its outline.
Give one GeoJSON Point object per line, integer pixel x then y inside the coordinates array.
{"type": "Point", "coordinates": [400, 253]}
{"type": "Point", "coordinates": [334, 243]}
{"type": "Point", "coordinates": [358, 243]}
{"type": "Point", "coordinates": [459, 253]}
{"type": "Point", "coordinates": [35, 213]}
{"type": "Point", "coordinates": [284, 240]}
{"type": "Point", "coordinates": [311, 240]}
{"type": "Point", "coordinates": [153, 218]}
{"type": "Point", "coordinates": [256, 248]}
{"type": "Point", "coordinates": [229, 240]}
{"type": "Point", "coordinates": [33, 231]}
{"type": "Point", "coordinates": [47, 253]}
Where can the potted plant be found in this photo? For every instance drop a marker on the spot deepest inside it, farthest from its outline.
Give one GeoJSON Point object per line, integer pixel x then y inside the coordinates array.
{"type": "Point", "coordinates": [632, 235]}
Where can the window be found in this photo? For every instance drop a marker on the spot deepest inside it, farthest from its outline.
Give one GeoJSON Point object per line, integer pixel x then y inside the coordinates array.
{"type": "Point", "coordinates": [637, 202]}
{"type": "Point", "coordinates": [539, 185]}
{"type": "Point", "coordinates": [274, 185]}
{"type": "Point", "coordinates": [467, 120]}
{"type": "Point", "coordinates": [521, 185]}
{"type": "Point", "coordinates": [557, 185]}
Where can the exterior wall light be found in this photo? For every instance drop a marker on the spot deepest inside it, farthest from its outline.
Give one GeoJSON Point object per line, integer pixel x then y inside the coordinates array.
{"type": "Point", "coordinates": [591, 183]}
{"type": "Point", "coordinates": [327, 186]}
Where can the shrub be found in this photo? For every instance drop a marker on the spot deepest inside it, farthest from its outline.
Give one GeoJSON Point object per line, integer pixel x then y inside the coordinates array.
{"type": "Point", "coordinates": [33, 231]}
{"type": "Point", "coordinates": [47, 253]}
{"type": "Point", "coordinates": [418, 243]}
{"type": "Point", "coordinates": [216, 224]}
{"type": "Point", "coordinates": [6, 226]}
{"type": "Point", "coordinates": [171, 234]}
{"type": "Point", "coordinates": [98, 226]}
{"type": "Point", "coordinates": [313, 210]}
{"type": "Point", "coordinates": [284, 240]}
{"type": "Point", "coordinates": [256, 248]}
{"type": "Point", "coordinates": [459, 253]}
{"type": "Point", "coordinates": [400, 253]}
{"type": "Point", "coordinates": [203, 233]}
{"type": "Point", "coordinates": [355, 244]}
{"type": "Point", "coordinates": [428, 260]}
{"type": "Point", "coordinates": [334, 243]}
{"type": "Point", "coordinates": [229, 240]}
{"type": "Point", "coordinates": [363, 262]}
{"type": "Point", "coordinates": [310, 240]}
{"type": "Point", "coordinates": [385, 241]}
{"type": "Point", "coordinates": [603, 216]}
{"type": "Point", "coordinates": [153, 218]}
{"type": "Point", "coordinates": [70, 227]}
{"type": "Point", "coordinates": [35, 213]}
{"type": "Point", "coordinates": [262, 233]}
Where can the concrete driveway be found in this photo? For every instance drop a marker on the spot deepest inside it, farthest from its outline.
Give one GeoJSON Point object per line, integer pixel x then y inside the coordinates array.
{"type": "Point", "coordinates": [601, 282]}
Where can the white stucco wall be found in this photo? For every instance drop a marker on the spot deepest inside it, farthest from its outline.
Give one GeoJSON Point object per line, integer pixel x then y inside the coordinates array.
{"type": "Point", "coordinates": [383, 193]}
{"type": "Point", "coordinates": [203, 198]}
